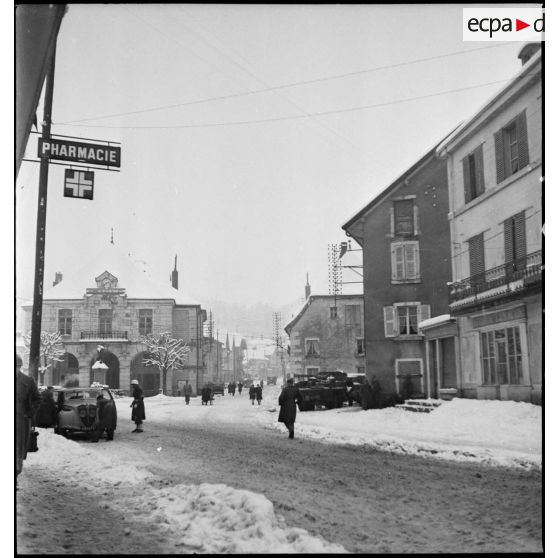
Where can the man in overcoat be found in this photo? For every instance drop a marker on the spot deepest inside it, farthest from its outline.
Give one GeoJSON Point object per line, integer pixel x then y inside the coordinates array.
{"type": "Point", "coordinates": [27, 402]}
{"type": "Point", "coordinates": [138, 408]}
{"type": "Point", "coordinates": [187, 392]}
{"type": "Point", "coordinates": [288, 399]}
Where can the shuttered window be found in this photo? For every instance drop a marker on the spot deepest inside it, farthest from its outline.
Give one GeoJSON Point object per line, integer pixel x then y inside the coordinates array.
{"type": "Point", "coordinates": [473, 174]}
{"type": "Point", "coordinates": [515, 243]}
{"type": "Point", "coordinates": [512, 148]}
{"type": "Point", "coordinates": [405, 261]}
{"type": "Point", "coordinates": [403, 319]}
{"type": "Point", "coordinates": [353, 318]}
{"type": "Point", "coordinates": [476, 255]}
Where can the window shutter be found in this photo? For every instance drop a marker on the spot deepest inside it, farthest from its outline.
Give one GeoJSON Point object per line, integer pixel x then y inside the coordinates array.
{"type": "Point", "coordinates": [392, 222]}
{"type": "Point", "coordinates": [466, 179]}
{"type": "Point", "coordinates": [423, 312]}
{"type": "Point", "coordinates": [499, 149]}
{"type": "Point", "coordinates": [520, 238]}
{"type": "Point", "coordinates": [508, 240]}
{"type": "Point", "coordinates": [479, 170]}
{"type": "Point", "coordinates": [476, 255]}
{"type": "Point", "coordinates": [522, 144]}
{"type": "Point", "coordinates": [411, 261]}
{"type": "Point", "coordinates": [415, 219]}
{"type": "Point", "coordinates": [389, 321]}
{"type": "Point", "coordinates": [397, 262]}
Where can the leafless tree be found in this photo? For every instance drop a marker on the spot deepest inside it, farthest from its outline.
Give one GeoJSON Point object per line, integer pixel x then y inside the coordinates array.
{"type": "Point", "coordinates": [51, 351]}
{"type": "Point", "coordinates": [164, 352]}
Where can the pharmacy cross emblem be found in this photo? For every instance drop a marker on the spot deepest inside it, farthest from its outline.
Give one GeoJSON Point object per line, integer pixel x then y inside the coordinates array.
{"type": "Point", "coordinates": [78, 184]}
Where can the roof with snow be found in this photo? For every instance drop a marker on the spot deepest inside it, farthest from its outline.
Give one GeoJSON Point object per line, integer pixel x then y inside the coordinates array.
{"type": "Point", "coordinates": [137, 282]}
{"type": "Point", "coordinates": [436, 320]}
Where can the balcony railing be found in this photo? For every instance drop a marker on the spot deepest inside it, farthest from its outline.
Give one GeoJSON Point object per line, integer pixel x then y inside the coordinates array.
{"type": "Point", "coordinates": [111, 336]}
{"type": "Point", "coordinates": [507, 278]}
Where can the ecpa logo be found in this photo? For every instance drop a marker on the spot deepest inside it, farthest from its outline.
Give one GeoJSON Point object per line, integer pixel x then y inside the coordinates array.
{"type": "Point", "coordinates": [503, 24]}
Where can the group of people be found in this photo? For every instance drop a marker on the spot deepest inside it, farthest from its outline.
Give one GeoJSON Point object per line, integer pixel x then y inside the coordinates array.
{"type": "Point", "coordinates": [255, 393]}
{"type": "Point", "coordinates": [231, 388]}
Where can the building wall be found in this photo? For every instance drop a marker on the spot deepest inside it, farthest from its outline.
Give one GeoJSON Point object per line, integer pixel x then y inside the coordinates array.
{"type": "Point", "coordinates": [180, 321]}
{"type": "Point", "coordinates": [337, 342]}
{"type": "Point", "coordinates": [525, 313]}
{"type": "Point", "coordinates": [520, 191]}
{"type": "Point", "coordinates": [429, 186]}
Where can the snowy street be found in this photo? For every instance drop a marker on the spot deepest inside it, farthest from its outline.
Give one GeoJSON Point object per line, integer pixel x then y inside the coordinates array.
{"type": "Point", "coordinates": [226, 479]}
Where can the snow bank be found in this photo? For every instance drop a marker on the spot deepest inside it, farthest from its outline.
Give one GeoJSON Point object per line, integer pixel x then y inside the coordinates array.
{"type": "Point", "coordinates": [215, 518]}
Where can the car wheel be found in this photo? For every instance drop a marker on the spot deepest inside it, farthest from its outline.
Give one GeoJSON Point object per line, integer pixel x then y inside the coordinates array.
{"type": "Point", "coordinates": [57, 430]}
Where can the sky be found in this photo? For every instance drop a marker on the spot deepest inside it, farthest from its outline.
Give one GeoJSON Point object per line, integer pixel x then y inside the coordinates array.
{"type": "Point", "coordinates": [250, 134]}
{"type": "Point", "coordinates": [209, 518]}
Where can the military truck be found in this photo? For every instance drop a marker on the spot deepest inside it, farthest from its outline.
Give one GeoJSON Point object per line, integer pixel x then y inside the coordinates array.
{"type": "Point", "coordinates": [324, 389]}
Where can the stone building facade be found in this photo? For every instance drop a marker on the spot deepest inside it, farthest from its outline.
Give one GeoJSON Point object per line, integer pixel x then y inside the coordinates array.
{"type": "Point", "coordinates": [102, 311]}
{"type": "Point", "coordinates": [327, 334]}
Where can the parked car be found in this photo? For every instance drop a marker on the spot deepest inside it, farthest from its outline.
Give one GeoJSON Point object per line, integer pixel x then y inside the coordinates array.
{"type": "Point", "coordinates": [89, 410]}
{"type": "Point", "coordinates": [217, 389]}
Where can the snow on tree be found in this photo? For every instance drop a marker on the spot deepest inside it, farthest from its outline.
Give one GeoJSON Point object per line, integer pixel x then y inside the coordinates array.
{"type": "Point", "coordinates": [164, 352]}
{"type": "Point", "coordinates": [51, 351]}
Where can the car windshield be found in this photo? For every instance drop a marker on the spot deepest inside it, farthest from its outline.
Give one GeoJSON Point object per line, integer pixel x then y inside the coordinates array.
{"type": "Point", "coordinates": [82, 394]}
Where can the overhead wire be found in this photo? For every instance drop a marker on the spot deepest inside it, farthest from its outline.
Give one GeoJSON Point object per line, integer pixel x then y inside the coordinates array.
{"type": "Point", "coordinates": [293, 117]}
{"type": "Point", "coordinates": [277, 87]}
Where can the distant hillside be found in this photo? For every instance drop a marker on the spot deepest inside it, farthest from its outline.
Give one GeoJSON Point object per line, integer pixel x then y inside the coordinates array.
{"type": "Point", "coordinates": [249, 320]}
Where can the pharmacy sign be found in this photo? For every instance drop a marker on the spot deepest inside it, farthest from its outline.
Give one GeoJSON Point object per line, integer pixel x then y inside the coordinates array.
{"type": "Point", "coordinates": [80, 152]}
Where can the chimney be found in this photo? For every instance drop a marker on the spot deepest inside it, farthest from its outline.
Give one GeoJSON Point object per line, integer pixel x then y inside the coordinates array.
{"type": "Point", "coordinates": [527, 52]}
{"type": "Point", "coordinates": [174, 276]}
{"type": "Point", "coordinates": [307, 288]}
{"type": "Point", "coordinates": [57, 278]}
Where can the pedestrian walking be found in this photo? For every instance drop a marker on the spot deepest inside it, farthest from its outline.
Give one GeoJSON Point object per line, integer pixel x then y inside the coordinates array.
{"type": "Point", "coordinates": [27, 402]}
{"type": "Point", "coordinates": [240, 386]}
{"type": "Point", "coordinates": [138, 408]}
{"type": "Point", "coordinates": [233, 388]}
{"type": "Point", "coordinates": [288, 399]}
{"type": "Point", "coordinates": [259, 394]}
{"type": "Point", "coordinates": [207, 395]}
{"type": "Point", "coordinates": [252, 393]}
{"type": "Point", "coordinates": [187, 390]}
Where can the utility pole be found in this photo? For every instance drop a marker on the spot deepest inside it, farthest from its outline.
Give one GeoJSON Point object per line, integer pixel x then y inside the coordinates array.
{"type": "Point", "coordinates": [36, 317]}
{"type": "Point", "coordinates": [279, 342]}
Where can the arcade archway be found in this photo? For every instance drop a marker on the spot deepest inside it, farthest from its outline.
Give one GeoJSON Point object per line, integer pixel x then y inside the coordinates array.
{"type": "Point", "coordinates": [109, 376]}
{"type": "Point", "coordinates": [148, 376]}
{"type": "Point", "coordinates": [65, 371]}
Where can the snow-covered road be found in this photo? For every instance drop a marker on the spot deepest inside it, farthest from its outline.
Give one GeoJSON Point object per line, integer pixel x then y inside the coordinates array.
{"type": "Point", "coordinates": [225, 478]}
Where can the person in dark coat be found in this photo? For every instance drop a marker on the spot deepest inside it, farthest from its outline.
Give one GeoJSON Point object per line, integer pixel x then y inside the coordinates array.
{"type": "Point", "coordinates": [47, 412]}
{"type": "Point", "coordinates": [207, 395]}
{"type": "Point", "coordinates": [240, 386]}
{"type": "Point", "coordinates": [187, 390]}
{"type": "Point", "coordinates": [376, 399]}
{"type": "Point", "coordinates": [106, 419]}
{"type": "Point", "coordinates": [138, 408]}
{"type": "Point", "coordinates": [233, 388]}
{"type": "Point", "coordinates": [252, 393]}
{"type": "Point", "coordinates": [288, 399]}
{"type": "Point", "coordinates": [366, 395]}
{"type": "Point", "coordinates": [27, 402]}
{"type": "Point", "coordinates": [259, 394]}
